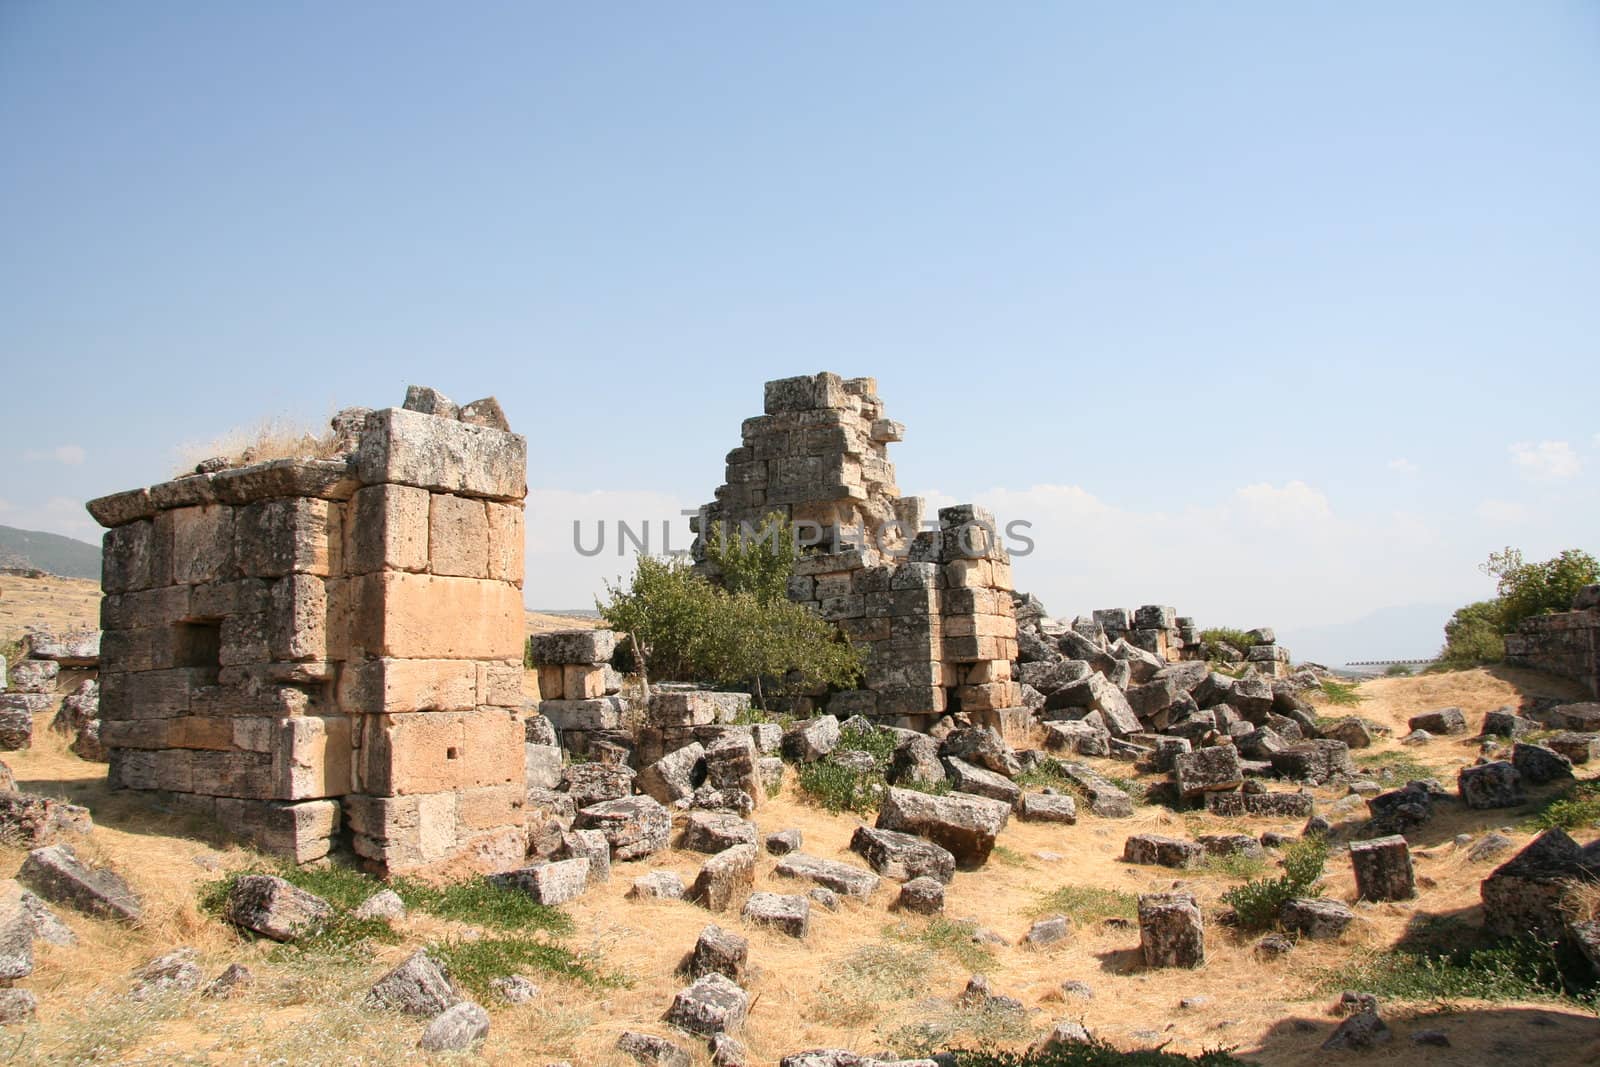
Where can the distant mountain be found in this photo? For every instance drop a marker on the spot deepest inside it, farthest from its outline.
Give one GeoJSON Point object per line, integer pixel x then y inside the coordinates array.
{"type": "Point", "coordinates": [1404, 631]}
{"type": "Point", "coordinates": [49, 552]}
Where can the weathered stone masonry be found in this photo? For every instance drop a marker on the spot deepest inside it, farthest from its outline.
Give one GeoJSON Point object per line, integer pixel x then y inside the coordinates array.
{"type": "Point", "coordinates": [1566, 643]}
{"type": "Point", "coordinates": [931, 609]}
{"type": "Point", "coordinates": [301, 646]}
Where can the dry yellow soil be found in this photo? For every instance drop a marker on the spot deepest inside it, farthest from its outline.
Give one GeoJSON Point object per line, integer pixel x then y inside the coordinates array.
{"type": "Point", "coordinates": [862, 975]}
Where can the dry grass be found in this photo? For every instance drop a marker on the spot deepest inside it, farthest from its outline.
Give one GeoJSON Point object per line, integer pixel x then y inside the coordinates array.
{"type": "Point", "coordinates": [269, 440]}
{"type": "Point", "coordinates": [49, 603]}
{"type": "Point", "coordinates": [864, 977]}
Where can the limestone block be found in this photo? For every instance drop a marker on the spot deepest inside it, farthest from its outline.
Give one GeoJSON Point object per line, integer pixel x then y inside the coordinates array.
{"type": "Point", "coordinates": [244, 639]}
{"type": "Point", "coordinates": [119, 509]}
{"type": "Point", "coordinates": [401, 685]}
{"type": "Point", "coordinates": [148, 607]}
{"type": "Point", "coordinates": [604, 713]}
{"type": "Point", "coordinates": [312, 758]}
{"type": "Point", "coordinates": [430, 752]}
{"type": "Point", "coordinates": [552, 681]}
{"type": "Point", "coordinates": [581, 681]}
{"type": "Point", "coordinates": [273, 538]}
{"type": "Point", "coordinates": [571, 646]}
{"type": "Point", "coordinates": [423, 616]}
{"type": "Point", "coordinates": [388, 530]}
{"type": "Point", "coordinates": [458, 536]}
{"type": "Point", "coordinates": [148, 694]}
{"type": "Point", "coordinates": [500, 684]}
{"type": "Point", "coordinates": [442, 455]}
{"type": "Point", "coordinates": [220, 774]}
{"type": "Point", "coordinates": [299, 618]}
{"type": "Point", "coordinates": [198, 543]}
{"type": "Point", "coordinates": [128, 556]}
{"type": "Point", "coordinates": [507, 542]}
{"type": "Point", "coordinates": [301, 831]}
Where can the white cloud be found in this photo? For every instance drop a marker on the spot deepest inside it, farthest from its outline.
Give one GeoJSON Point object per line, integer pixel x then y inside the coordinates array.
{"type": "Point", "coordinates": [1547, 461]}
{"type": "Point", "coordinates": [71, 455]}
{"type": "Point", "coordinates": [1403, 466]}
{"type": "Point", "coordinates": [1295, 503]}
{"type": "Point", "coordinates": [1503, 511]}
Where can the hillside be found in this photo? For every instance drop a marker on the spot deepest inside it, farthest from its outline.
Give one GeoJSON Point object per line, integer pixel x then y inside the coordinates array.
{"type": "Point", "coordinates": [31, 549]}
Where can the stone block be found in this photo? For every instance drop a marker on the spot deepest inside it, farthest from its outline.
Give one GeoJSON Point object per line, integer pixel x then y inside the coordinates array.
{"type": "Point", "coordinates": [274, 538]}
{"type": "Point", "coordinates": [592, 646]}
{"type": "Point", "coordinates": [1383, 868]}
{"type": "Point", "coordinates": [1171, 930]}
{"type": "Point", "coordinates": [726, 878]}
{"type": "Point", "coordinates": [431, 752]}
{"type": "Point", "coordinates": [458, 536]}
{"type": "Point", "coordinates": [389, 530]}
{"type": "Point", "coordinates": [442, 455]}
{"type": "Point", "coordinates": [548, 883]}
{"type": "Point", "coordinates": [424, 616]}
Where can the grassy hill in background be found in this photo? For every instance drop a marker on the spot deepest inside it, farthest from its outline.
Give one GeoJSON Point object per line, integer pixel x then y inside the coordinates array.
{"type": "Point", "coordinates": [49, 552]}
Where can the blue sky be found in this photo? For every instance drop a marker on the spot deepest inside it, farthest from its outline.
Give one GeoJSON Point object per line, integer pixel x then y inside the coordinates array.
{"type": "Point", "coordinates": [1277, 315]}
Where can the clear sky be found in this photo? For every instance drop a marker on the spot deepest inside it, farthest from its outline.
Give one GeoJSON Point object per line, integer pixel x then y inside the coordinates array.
{"type": "Point", "coordinates": [1277, 313]}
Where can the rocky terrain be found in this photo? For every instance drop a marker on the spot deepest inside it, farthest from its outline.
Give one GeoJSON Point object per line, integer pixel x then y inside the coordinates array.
{"type": "Point", "coordinates": [1050, 922]}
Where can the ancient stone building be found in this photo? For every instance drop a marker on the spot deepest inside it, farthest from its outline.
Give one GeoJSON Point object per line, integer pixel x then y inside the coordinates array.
{"type": "Point", "coordinates": [310, 649]}
{"type": "Point", "coordinates": [928, 602]}
{"type": "Point", "coordinates": [1566, 643]}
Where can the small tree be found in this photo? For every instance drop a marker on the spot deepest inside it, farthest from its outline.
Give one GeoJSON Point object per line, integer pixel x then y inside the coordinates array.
{"type": "Point", "coordinates": [756, 562]}
{"type": "Point", "coordinates": [1472, 636]}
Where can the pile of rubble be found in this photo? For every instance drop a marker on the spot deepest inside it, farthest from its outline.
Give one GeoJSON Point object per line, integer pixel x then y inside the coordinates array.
{"type": "Point", "coordinates": [58, 673]}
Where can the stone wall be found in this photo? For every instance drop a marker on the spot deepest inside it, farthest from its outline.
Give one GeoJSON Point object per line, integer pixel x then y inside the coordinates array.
{"type": "Point", "coordinates": [309, 648]}
{"type": "Point", "coordinates": [1567, 644]}
{"type": "Point", "coordinates": [930, 608]}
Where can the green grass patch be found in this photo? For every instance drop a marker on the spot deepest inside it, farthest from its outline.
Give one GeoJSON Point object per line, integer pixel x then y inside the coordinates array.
{"type": "Point", "coordinates": [1008, 856]}
{"type": "Point", "coordinates": [1094, 1053]}
{"type": "Point", "coordinates": [1087, 904]}
{"type": "Point", "coordinates": [1519, 969]}
{"type": "Point", "coordinates": [477, 963]}
{"type": "Point", "coordinates": [1047, 772]}
{"type": "Point", "coordinates": [1235, 865]}
{"type": "Point", "coordinates": [345, 937]}
{"type": "Point", "coordinates": [875, 741]}
{"type": "Point", "coordinates": [1575, 808]}
{"type": "Point", "coordinates": [1257, 903]}
{"type": "Point", "coordinates": [1341, 694]}
{"type": "Point", "coordinates": [481, 902]}
{"type": "Point", "coordinates": [839, 788]}
{"type": "Point", "coordinates": [987, 1022]}
{"type": "Point", "coordinates": [1402, 766]}
{"type": "Point", "coordinates": [946, 936]}
{"type": "Point", "coordinates": [935, 789]}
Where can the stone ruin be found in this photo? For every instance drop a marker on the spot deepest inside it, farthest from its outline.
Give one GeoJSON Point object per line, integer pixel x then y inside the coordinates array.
{"type": "Point", "coordinates": [306, 649]}
{"type": "Point", "coordinates": [1566, 643]}
{"type": "Point", "coordinates": [930, 607]}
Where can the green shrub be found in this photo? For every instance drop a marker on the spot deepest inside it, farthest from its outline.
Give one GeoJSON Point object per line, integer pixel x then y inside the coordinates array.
{"type": "Point", "coordinates": [839, 788]}
{"type": "Point", "coordinates": [876, 741]}
{"type": "Point", "coordinates": [1256, 904]}
{"type": "Point", "coordinates": [1472, 636]}
{"type": "Point", "coordinates": [482, 903]}
{"type": "Point", "coordinates": [1398, 670]}
{"type": "Point", "coordinates": [742, 634]}
{"type": "Point", "coordinates": [1529, 589]}
{"type": "Point", "coordinates": [1340, 694]}
{"type": "Point", "coordinates": [1094, 1053]}
{"type": "Point", "coordinates": [1576, 808]}
{"type": "Point", "coordinates": [1223, 635]}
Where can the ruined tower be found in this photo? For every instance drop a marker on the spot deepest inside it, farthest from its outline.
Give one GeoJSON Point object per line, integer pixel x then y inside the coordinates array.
{"type": "Point", "coordinates": [310, 649]}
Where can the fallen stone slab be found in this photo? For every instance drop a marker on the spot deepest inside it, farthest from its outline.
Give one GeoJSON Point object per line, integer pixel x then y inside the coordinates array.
{"type": "Point", "coordinates": [456, 1029]}
{"type": "Point", "coordinates": [713, 831]}
{"type": "Point", "coordinates": [1280, 805]}
{"type": "Point", "coordinates": [978, 746]}
{"type": "Point", "coordinates": [57, 875]}
{"type": "Point", "coordinates": [676, 775]}
{"type": "Point", "coordinates": [1207, 770]}
{"type": "Point", "coordinates": [1525, 895]}
{"type": "Point", "coordinates": [811, 740]}
{"type": "Point", "coordinates": [1490, 785]}
{"type": "Point", "coordinates": [416, 986]}
{"type": "Point", "coordinates": [592, 783]}
{"type": "Point", "coordinates": [17, 1006]}
{"type": "Point", "coordinates": [1048, 931]}
{"type": "Point", "coordinates": [652, 1051]}
{"type": "Point", "coordinates": [548, 883]}
{"type": "Point", "coordinates": [16, 934]}
{"type": "Point", "coordinates": [712, 1005]}
{"type": "Point", "coordinates": [981, 782]}
{"type": "Point", "coordinates": [830, 874]}
{"type": "Point", "coordinates": [784, 842]}
{"type": "Point", "coordinates": [902, 857]}
{"type": "Point", "coordinates": [789, 913]}
{"type": "Point", "coordinates": [1383, 868]}
{"type": "Point", "coordinates": [719, 951]}
{"type": "Point", "coordinates": [635, 827]}
{"type": "Point", "coordinates": [1048, 807]}
{"type": "Point", "coordinates": [172, 972]}
{"type": "Point", "coordinates": [1162, 851]}
{"type": "Point", "coordinates": [965, 826]}
{"type": "Point", "coordinates": [922, 896]}
{"type": "Point", "coordinates": [384, 904]}
{"type": "Point", "coordinates": [1440, 722]}
{"type": "Point", "coordinates": [658, 885]}
{"type": "Point", "coordinates": [725, 877]}
{"type": "Point", "coordinates": [1540, 765]}
{"type": "Point", "coordinates": [1316, 919]}
{"type": "Point", "coordinates": [588, 845]}
{"type": "Point", "coordinates": [1171, 930]}
{"type": "Point", "coordinates": [272, 907]}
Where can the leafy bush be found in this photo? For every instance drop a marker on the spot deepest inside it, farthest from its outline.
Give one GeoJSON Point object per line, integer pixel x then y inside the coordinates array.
{"type": "Point", "coordinates": [1399, 670]}
{"type": "Point", "coordinates": [1529, 589]}
{"type": "Point", "coordinates": [1472, 636]}
{"type": "Point", "coordinates": [690, 629]}
{"type": "Point", "coordinates": [758, 563]}
{"type": "Point", "coordinates": [840, 788]}
{"type": "Point", "coordinates": [1224, 635]}
{"type": "Point", "coordinates": [1094, 1053]}
{"type": "Point", "coordinates": [1256, 904]}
